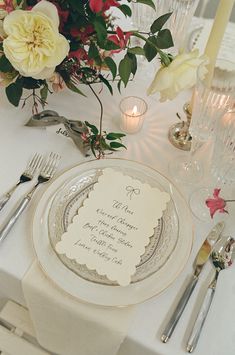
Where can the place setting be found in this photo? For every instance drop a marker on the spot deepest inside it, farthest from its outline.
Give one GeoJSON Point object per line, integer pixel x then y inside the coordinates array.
{"type": "Point", "coordinates": [103, 232]}
{"type": "Point", "coordinates": [109, 249]}
{"type": "Point", "coordinates": [111, 233]}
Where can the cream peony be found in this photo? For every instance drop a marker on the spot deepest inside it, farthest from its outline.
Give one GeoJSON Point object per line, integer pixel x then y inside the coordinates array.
{"type": "Point", "coordinates": [180, 75]}
{"type": "Point", "coordinates": [34, 45]}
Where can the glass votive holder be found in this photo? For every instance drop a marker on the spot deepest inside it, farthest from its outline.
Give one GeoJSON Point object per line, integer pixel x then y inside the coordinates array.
{"type": "Point", "coordinates": [133, 110]}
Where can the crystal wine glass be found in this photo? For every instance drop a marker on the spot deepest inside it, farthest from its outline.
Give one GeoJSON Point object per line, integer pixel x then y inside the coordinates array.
{"type": "Point", "coordinates": [178, 23]}
{"type": "Point", "coordinates": [143, 16]}
{"type": "Point", "coordinates": [222, 168]}
{"type": "Point", "coordinates": [180, 20]}
{"type": "Point", "coordinates": [209, 105]}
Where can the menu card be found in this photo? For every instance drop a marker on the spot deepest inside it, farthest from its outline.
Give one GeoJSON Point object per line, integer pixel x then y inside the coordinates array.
{"type": "Point", "coordinates": [112, 228]}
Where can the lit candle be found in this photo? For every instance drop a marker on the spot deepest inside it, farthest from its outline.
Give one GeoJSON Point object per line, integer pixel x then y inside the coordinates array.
{"type": "Point", "coordinates": [133, 110]}
{"type": "Point", "coordinates": [217, 32]}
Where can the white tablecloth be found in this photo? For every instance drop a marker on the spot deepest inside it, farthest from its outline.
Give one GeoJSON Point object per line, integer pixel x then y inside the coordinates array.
{"type": "Point", "coordinates": [150, 146]}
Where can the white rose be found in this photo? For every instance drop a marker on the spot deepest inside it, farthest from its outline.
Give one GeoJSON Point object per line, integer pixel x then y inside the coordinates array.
{"type": "Point", "coordinates": [34, 45]}
{"type": "Point", "coordinates": [180, 75]}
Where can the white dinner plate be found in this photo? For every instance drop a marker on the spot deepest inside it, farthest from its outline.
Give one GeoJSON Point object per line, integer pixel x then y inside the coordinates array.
{"type": "Point", "coordinates": [162, 262]}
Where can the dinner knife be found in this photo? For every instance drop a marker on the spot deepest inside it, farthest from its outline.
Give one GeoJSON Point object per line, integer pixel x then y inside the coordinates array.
{"type": "Point", "coordinates": [200, 260]}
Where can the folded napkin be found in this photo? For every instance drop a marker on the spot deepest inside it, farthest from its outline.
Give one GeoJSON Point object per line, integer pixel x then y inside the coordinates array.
{"type": "Point", "coordinates": [68, 327]}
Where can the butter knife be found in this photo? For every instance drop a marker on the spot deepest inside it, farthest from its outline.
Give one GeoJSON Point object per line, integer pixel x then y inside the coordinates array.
{"type": "Point", "coordinates": [199, 262]}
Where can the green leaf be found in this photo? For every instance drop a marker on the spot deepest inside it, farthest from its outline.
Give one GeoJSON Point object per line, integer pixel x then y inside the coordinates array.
{"type": "Point", "coordinates": [109, 45]}
{"type": "Point", "coordinates": [164, 39]}
{"type": "Point", "coordinates": [93, 128]}
{"type": "Point", "coordinates": [150, 50]}
{"type": "Point", "coordinates": [160, 22]}
{"type": "Point", "coordinates": [93, 51]}
{"type": "Point", "coordinates": [74, 88]}
{"type": "Point", "coordinates": [30, 83]}
{"type": "Point", "coordinates": [104, 145]}
{"type": "Point", "coordinates": [117, 145]}
{"type": "Point", "coordinates": [14, 92]}
{"type": "Point", "coordinates": [98, 61]}
{"type": "Point", "coordinates": [125, 67]}
{"type": "Point", "coordinates": [136, 50]}
{"type": "Point", "coordinates": [5, 65]}
{"type": "Point", "coordinates": [101, 30]}
{"type": "Point", "coordinates": [105, 81]}
{"type": "Point", "coordinates": [133, 62]}
{"type": "Point", "coordinates": [147, 2]}
{"type": "Point", "coordinates": [78, 6]}
{"type": "Point", "coordinates": [93, 146]}
{"type": "Point", "coordinates": [44, 92]}
{"type": "Point", "coordinates": [119, 86]}
{"type": "Point", "coordinates": [112, 66]}
{"type": "Point", "coordinates": [112, 136]}
{"type": "Point", "coordinates": [74, 45]}
{"type": "Point", "coordinates": [126, 10]}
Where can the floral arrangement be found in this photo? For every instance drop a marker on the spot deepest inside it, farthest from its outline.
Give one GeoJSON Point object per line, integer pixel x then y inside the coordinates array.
{"type": "Point", "coordinates": [49, 45]}
{"type": "Point", "coordinates": [217, 203]}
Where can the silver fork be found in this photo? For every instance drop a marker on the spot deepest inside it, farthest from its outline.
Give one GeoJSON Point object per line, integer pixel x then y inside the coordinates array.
{"type": "Point", "coordinates": [47, 172]}
{"type": "Point", "coordinates": [27, 175]}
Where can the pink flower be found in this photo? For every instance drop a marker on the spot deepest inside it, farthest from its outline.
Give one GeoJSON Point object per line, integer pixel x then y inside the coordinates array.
{"type": "Point", "coordinates": [80, 54]}
{"type": "Point", "coordinates": [120, 39]}
{"type": "Point", "coordinates": [85, 137]}
{"type": "Point", "coordinates": [101, 6]}
{"type": "Point", "coordinates": [8, 6]}
{"type": "Point", "coordinates": [216, 203]}
{"type": "Point", "coordinates": [57, 81]}
{"type": "Point", "coordinates": [82, 33]}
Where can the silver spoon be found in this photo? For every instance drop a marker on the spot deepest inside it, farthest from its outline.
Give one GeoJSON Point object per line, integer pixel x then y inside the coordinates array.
{"type": "Point", "coordinates": [222, 258]}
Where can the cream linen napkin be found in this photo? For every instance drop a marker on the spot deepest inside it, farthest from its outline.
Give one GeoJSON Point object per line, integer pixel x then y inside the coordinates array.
{"type": "Point", "coordinates": [68, 327]}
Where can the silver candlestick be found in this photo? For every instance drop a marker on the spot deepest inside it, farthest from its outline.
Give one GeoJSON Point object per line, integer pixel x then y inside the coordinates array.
{"type": "Point", "coordinates": [179, 134]}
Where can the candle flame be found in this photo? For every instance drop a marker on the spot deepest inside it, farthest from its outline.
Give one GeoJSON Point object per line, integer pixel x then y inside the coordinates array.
{"type": "Point", "coordinates": [134, 111]}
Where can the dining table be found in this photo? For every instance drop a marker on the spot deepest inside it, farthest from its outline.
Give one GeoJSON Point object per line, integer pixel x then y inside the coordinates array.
{"type": "Point", "coordinates": [150, 146]}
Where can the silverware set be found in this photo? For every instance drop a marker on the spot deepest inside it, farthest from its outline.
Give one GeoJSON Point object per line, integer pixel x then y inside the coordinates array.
{"type": "Point", "coordinates": [222, 257]}
{"type": "Point", "coordinates": [46, 168]}
{"type": "Point", "coordinates": [220, 251]}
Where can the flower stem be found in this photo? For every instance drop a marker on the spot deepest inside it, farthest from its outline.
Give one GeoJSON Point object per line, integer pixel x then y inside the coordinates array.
{"type": "Point", "coordinates": [229, 200]}
{"type": "Point", "coordinates": [101, 108]}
